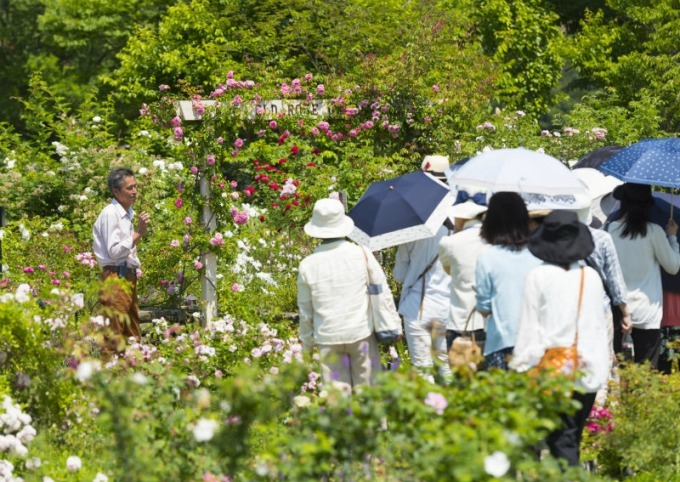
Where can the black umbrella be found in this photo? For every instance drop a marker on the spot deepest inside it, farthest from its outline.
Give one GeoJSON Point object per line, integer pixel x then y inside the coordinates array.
{"type": "Point", "coordinates": [597, 157]}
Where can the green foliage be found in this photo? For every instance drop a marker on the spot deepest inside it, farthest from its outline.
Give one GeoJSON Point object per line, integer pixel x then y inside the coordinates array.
{"type": "Point", "coordinates": [390, 432]}
{"type": "Point", "coordinates": [523, 38]}
{"type": "Point", "coordinates": [31, 360]}
{"type": "Point", "coordinates": [632, 51]}
{"type": "Point", "coordinates": [646, 422]}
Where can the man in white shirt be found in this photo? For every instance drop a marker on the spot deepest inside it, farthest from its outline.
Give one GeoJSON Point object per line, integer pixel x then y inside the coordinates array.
{"type": "Point", "coordinates": [115, 247]}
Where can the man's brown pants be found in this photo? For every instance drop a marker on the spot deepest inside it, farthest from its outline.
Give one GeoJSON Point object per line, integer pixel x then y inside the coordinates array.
{"type": "Point", "coordinates": [120, 306]}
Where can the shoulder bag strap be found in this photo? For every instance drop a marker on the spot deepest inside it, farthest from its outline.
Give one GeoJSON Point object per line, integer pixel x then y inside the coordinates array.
{"type": "Point", "coordinates": [465, 330]}
{"type": "Point", "coordinates": [580, 299]}
{"type": "Point", "coordinates": [422, 291]}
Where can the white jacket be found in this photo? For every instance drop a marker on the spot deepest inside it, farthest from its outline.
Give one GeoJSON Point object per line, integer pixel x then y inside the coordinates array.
{"type": "Point", "coordinates": [411, 260]}
{"type": "Point", "coordinates": [548, 319]}
{"type": "Point", "coordinates": [458, 255]}
{"type": "Point", "coordinates": [641, 260]}
{"type": "Point", "coordinates": [333, 296]}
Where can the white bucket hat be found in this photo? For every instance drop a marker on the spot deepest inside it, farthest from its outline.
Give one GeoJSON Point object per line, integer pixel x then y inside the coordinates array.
{"type": "Point", "coordinates": [329, 220]}
{"type": "Point", "coordinates": [435, 164]}
{"type": "Point", "coordinates": [467, 210]}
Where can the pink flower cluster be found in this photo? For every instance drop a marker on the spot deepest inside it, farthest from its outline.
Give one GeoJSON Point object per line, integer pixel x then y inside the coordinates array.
{"type": "Point", "coordinates": [437, 401]}
{"type": "Point", "coordinates": [599, 132]}
{"type": "Point", "coordinates": [240, 217]}
{"type": "Point", "coordinates": [232, 83]}
{"type": "Point", "coordinates": [217, 240]}
{"type": "Point", "coordinates": [487, 126]}
{"type": "Point", "coordinates": [86, 259]}
{"type": "Point", "coordinates": [600, 420]}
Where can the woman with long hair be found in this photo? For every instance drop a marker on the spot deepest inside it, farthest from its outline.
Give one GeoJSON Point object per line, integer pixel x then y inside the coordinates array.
{"type": "Point", "coordinates": [500, 273]}
{"type": "Point", "coordinates": [643, 248]}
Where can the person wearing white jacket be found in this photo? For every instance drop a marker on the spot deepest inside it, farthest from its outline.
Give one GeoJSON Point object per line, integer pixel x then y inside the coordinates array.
{"type": "Point", "coordinates": [424, 301]}
{"type": "Point", "coordinates": [643, 249]}
{"type": "Point", "coordinates": [562, 305]}
{"type": "Point", "coordinates": [333, 299]}
{"type": "Point", "coordinates": [458, 256]}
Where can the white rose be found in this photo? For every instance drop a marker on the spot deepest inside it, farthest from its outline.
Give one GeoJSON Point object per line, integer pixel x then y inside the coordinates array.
{"type": "Point", "coordinates": [100, 478]}
{"type": "Point", "coordinates": [26, 434]}
{"type": "Point", "coordinates": [22, 294]}
{"type": "Point", "coordinates": [302, 401]}
{"type": "Point", "coordinates": [73, 463]}
{"type": "Point", "coordinates": [86, 369]}
{"type": "Point", "coordinates": [496, 464]}
{"type": "Point", "coordinates": [96, 119]}
{"type": "Point", "coordinates": [204, 430]}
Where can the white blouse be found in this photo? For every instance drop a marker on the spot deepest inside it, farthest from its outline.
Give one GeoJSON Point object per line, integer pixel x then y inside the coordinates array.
{"type": "Point", "coordinates": [641, 261]}
{"type": "Point", "coordinates": [548, 319]}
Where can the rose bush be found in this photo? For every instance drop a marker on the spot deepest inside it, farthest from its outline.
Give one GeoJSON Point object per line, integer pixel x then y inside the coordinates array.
{"type": "Point", "coordinates": [232, 399]}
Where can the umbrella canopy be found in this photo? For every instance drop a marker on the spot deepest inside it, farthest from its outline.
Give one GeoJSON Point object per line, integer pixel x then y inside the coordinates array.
{"type": "Point", "coordinates": [542, 180]}
{"type": "Point", "coordinates": [600, 187]}
{"type": "Point", "coordinates": [406, 208]}
{"type": "Point", "coordinates": [650, 161]}
{"type": "Point", "coordinates": [598, 184]}
{"type": "Point", "coordinates": [597, 157]}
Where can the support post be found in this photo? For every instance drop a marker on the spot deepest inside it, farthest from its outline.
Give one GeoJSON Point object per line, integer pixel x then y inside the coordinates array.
{"type": "Point", "coordinates": [2, 225]}
{"type": "Point", "coordinates": [209, 260]}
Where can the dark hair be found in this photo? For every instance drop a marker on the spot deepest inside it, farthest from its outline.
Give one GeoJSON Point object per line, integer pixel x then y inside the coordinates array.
{"type": "Point", "coordinates": [117, 176]}
{"type": "Point", "coordinates": [635, 216]}
{"type": "Point", "coordinates": [506, 222]}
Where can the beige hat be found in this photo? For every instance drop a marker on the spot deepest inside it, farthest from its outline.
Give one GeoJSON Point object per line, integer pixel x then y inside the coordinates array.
{"type": "Point", "coordinates": [438, 164]}
{"type": "Point", "coordinates": [329, 220]}
{"type": "Point", "coordinates": [467, 210]}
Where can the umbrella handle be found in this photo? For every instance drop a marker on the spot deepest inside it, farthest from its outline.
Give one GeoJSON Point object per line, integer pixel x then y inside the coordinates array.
{"type": "Point", "coordinates": [672, 202]}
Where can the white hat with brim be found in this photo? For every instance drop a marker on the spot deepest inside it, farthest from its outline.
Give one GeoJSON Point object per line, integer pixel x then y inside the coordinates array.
{"type": "Point", "coordinates": [329, 220]}
{"type": "Point", "coordinates": [435, 164]}
{"type": "Point", "coordinates": [466, 210]}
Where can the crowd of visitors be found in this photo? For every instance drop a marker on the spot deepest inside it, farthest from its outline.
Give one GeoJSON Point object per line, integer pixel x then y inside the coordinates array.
{"type": "Point", "coordinates": [524, 285]}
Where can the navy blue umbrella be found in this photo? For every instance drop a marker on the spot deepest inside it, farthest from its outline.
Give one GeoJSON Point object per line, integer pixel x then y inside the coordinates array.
{"type": "Point", "coordinates": [598, 156]}
{"type": "Point", "coordinates": [406, 208]}
{"type": "Point", "coordinates": [651, 161]}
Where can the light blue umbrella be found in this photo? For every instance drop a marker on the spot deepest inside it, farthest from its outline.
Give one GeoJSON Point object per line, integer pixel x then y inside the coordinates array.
{"type": "Point", "coordinates": [654, 162]}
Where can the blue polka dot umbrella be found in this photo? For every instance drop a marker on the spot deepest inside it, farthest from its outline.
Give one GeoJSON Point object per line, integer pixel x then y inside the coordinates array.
{"type": "Point", "coordinates": [651, 161]}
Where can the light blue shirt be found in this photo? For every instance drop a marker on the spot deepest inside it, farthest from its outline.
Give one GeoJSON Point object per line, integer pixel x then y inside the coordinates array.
{"type": "Point", "coordinates": [500, 276]}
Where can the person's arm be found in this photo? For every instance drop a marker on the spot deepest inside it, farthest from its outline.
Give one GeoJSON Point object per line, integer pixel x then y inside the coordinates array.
{"type": "Point", "coordinates": [616, 285]}
{"type": "Point", "coordinates": [484, 287]}
{"type": "Point", "coordinates": [667, 251]}
{"type": "Point", "coordinates": [444, 258]}
{"type": "Point", "coordinates": [306, 313]}
{"type": "Point", "coordinates": [626, 320]}
{"type": "Point", "coordinates": [401, 262]}
{"type": "Point", "coordinates": [142, 226]}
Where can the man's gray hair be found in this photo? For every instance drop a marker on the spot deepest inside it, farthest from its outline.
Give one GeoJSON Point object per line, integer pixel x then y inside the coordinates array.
{"type": "Point", "coordinates": [117, 176]}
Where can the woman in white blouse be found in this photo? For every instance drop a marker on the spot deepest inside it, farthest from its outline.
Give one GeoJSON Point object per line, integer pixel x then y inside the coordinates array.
{"type": "Point", "coordinates": [643, 249]}
{"type": "Point", "coordinates": [562, 305]}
